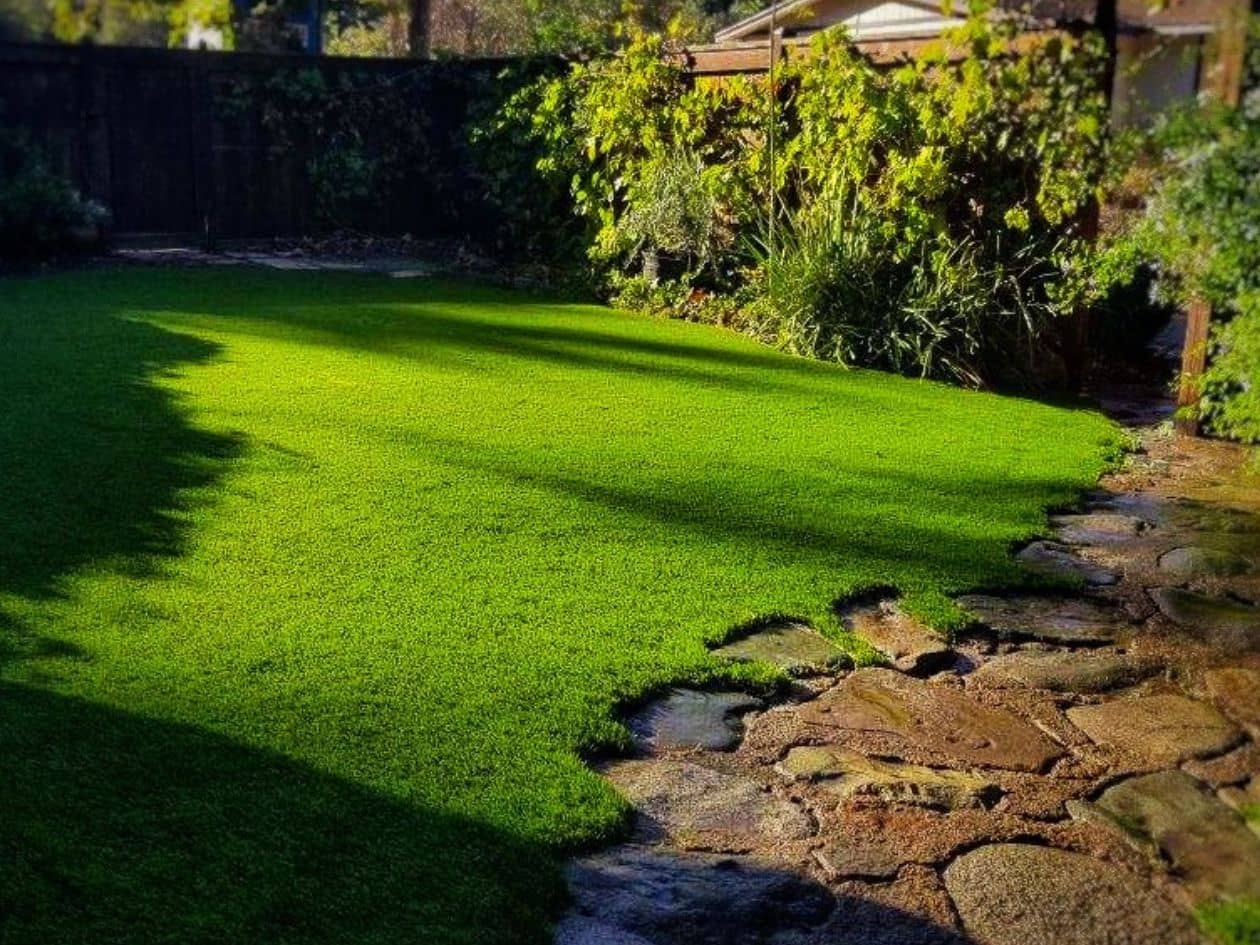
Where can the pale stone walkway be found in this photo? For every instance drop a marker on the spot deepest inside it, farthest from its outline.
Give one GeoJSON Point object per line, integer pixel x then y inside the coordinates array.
{"type": "Point", "coordinates": [1069, 772]}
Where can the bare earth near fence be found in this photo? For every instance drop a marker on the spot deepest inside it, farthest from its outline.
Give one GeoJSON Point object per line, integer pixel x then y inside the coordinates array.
{"type": "Point", "coordinates": [1071, 771]}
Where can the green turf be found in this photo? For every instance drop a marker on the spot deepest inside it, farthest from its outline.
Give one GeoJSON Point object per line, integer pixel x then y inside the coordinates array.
{"type": "Point", "coordinates": [313, 585]}
{"type": "Point", "coordinates": [1231, 923]}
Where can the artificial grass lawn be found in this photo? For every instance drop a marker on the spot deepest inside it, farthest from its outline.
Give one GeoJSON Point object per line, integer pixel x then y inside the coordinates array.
{"type": "Point", "coordinates": [313, 585]}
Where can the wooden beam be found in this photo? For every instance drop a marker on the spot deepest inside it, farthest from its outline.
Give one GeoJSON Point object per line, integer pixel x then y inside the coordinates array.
{"type": "Point", "coordinates": [1193, 364]}
{"type": "Point", "coordinates": [750, 57]}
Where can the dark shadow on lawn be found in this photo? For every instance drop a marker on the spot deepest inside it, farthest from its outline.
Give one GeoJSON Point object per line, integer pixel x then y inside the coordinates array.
{"type": "Point", "coordinates": [116, 828]}
{"type": "Point", "coordinates": [97, 462]}
{"type": "Point", "coordinates": [131, 831]}
{"type": "Point", "coordinates": [944, 554]}
{"type": "Point", "coordinates": [440, 322]}
{"type": "Point", "coordinates": [374, 314]}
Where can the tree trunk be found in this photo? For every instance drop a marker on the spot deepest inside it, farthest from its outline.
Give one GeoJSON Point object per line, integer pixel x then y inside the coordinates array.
{"type": "Point", "coordinates": [1106, 21]}
{"type": "Point", "coordinates": [418, 29]}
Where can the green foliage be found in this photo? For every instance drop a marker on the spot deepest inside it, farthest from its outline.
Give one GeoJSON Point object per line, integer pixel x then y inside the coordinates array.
{"type": "Point", "coordinates": [358, 135]}
{"type": "Point", "coordinates": [1200, 226]}
{"type": "Point", "coordinates": [534, 209]}
{"type": "Point", "coordinates": [40, 211]}
{"type": "Point", "coordinates": [672, 210]}
{"type": "Point", "coordinates": [926, 216]}
{"type": "Point", "coordinates": [1231, 385]}
{"type": "Point", "coordinates": [835, 290]}
{"type": "Point", "coordinates": [1231, 923]}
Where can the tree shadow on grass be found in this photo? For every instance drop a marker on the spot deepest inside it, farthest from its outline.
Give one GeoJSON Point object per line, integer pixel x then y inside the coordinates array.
{"type": "Point", "coordinates": [98, 463]}
{"type": "Point", "coordinates": [116, 828]}
{"type": "Point", "coordinates": [962, 544]}
{"type": "Point", "coordinates": [448, 321]}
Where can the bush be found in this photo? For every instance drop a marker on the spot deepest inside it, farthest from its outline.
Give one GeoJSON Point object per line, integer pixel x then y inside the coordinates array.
{"type": "Point", "coordinates": [1200, 227]}
{"type": "Point", "coordinates": [1231, 386]}
{"type": "Point", "coordinates": [40, 212]}
{"type": "Point", "coordinates": [926, 218]}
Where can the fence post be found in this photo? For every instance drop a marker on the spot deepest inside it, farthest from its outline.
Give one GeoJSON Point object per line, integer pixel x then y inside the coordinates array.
{"type": "Point", "coordinates": [201, 107]}
{"type": "Point", "coordinates": [97, 180]}
{"type": "Point", "coordinates": [1193, 363]}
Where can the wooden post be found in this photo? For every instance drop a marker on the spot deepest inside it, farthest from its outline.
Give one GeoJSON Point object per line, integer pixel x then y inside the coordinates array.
{"type": "Point", "coordinates": [1193, 363]}
{"type": "Point", "coordinates": [1225, 53]}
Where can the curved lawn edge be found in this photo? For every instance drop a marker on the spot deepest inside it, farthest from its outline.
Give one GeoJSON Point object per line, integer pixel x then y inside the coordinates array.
{"type": "Point", "coordinates": [425, 538]}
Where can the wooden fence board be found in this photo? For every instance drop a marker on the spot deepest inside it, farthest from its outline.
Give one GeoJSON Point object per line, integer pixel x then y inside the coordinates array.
{"type": "Point", "coordinates": [140, 130]}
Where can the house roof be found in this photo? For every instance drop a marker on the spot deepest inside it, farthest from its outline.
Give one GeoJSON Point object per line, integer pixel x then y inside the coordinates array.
{"type": "Point", "coordinates": [1176, 16]}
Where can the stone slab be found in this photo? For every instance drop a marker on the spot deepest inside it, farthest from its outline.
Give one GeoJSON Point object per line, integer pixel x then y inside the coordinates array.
{"type": "Point", "coordinates": [1237, 692]}
{"type": "Point", "coordinates": [1207, 843]}
{"type": "Point", "coordinates": [905, 642]}
{"type": "Point", "coordinates": [697, 807]}
{"type": "Point", "coordinates": [1193, 561]}
{"type": "Point", "coordinates": [1065, 620]}
{"type": "Point", "coordinates": [933, 718]}
{"type": "Point", "coordinates": [1162, 730]}
{"type": "Point", "coordinates": [1231, 768]}
{"type": "Point", "coordinates": [1097, 528]}
{"type": "Point", "coordinates": [850, 774]}
{"type": "Point", "coordinates": [1064, 671]}
{"type": "Point", "coordinates": [1055, 560]}
{"type": "Point", "coordinates": [796, 649]}
{"type": "Point", "coordinates": [670, 898]}
{"type": "Point", "coordinates": [1019, 894]}
{"type": "Point", "coordinates": [1223, 622]}
{"type": "Point", "coordinates": [689, 718]}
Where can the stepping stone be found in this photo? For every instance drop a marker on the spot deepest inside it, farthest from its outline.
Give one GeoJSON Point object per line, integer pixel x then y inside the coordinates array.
{"type": "Point", "coordinates": [1193, 561]}
{"type": "Point", "coordinates": [849, 774]}
{"type": "Point", "coordinates": [1162, 730]}
{"type": "Point", "coordinates": [1222, 622]}
{"type": "Point", "coordinates": [1065, 620]}
{"type": "Point", "coordinates": [913, 909]}
{"type": "Point", "coordinates": [1208, 845]}
{"type": "Point", "coordinates": [695, 806]}
{"type": "Point", "coordinates": [908, 645]}
{"type": "Point", "coordinates": [1058, 561]}
{"type": "Point", "coordinates": [861, 857]}
{"type": "Point", "coordinates": [579, 930]}
{"type": "Point", "coordinates": [934, 719]}
{"type": "Point", "coordinates": [795, 649]}
{"type": "Point", "coordinates": [1018, 894]}
{"type": "Point", "coordinates": [688, 718]}
{"type": "Point", "coordinates": [672, 898]}
{"type": "Point", "coordinates": [1064, 671]}
{"type": "Point", "coordinates": [1232, 768]}
{"type": "Point", "coordinates": [1237, 692]}
{"type": "Point", "coordinates": [1097, 528]}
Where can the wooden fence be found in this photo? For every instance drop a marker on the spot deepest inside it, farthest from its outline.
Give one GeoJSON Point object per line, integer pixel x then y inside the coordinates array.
{"type": "Point", "coordinates": [143, 132]}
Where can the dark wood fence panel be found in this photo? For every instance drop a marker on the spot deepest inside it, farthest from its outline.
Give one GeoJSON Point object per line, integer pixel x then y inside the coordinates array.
{"type": "Point", "coordinates": [142, 131]}
{"type": "Point", "coordinates": [153, 188]}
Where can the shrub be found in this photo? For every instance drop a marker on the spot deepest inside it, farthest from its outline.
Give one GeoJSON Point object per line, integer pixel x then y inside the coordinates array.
{"type": "Point", "coordinates": [1200, 227]}
{"type": "Point", "coordinates": [1231, 386]}
{"type": "Point", "coordinates": [672, 209]}
{"type": "Point", "coordinates": [927, 216]}
{"type": "Point", "coordinates": [40, 212]}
